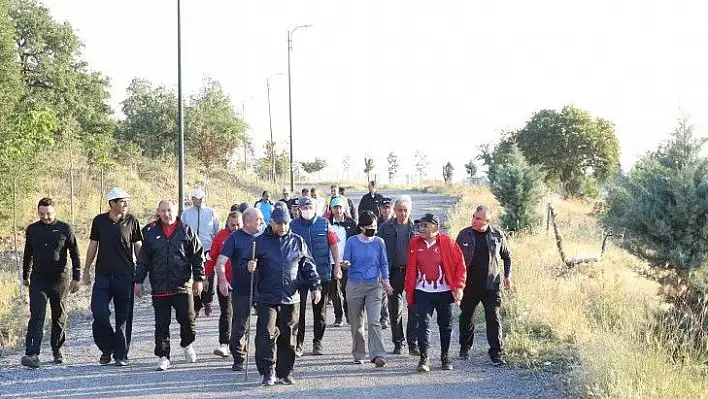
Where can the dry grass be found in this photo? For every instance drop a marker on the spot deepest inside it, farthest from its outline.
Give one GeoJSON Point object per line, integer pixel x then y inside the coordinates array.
{"type": "Point", "coordinates": [599, 324]}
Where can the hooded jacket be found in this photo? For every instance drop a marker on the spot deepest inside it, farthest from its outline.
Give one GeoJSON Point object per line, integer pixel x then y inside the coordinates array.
{"type": "Point", "coordinates": [453, 265]}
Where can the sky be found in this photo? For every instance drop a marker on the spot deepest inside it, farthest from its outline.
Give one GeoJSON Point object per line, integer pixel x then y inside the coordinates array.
{"type": "Point", "coordinates": [442, 77]}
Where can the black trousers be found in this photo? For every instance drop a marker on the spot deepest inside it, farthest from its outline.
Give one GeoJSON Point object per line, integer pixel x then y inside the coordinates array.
{"type": "Point", "coordinates": [339, 296]}
{"type": "Point", "coordinates": [397, 278]}
{"type": "Point", "coordinates": [226, 314]}
{"type": "Point", "coordinates": [441, 303]}
{"type": "Point", "coordinates": [239, 325]}
{"type": "Point", "coordinates": [319, 313]}
{"type": "Point", "coordinates": [491, 301]}
{"type": "Point", "coordinates": [119, 289]}
{"type": "Point", "coordinates": [41, 292]}
{"type": "Point", "coordinates": [207, 296]}
{"type": "Point", "coordinates": [276, 331]}
{"type": "Point", "coordinates": [183, 304]}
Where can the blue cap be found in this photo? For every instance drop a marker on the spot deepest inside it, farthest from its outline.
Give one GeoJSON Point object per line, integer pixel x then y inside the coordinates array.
{"type": "Point", "coordinates": [306, 201]}
{"type": "Point", "coordinates": [280, 213]}
{"type": "Point", "coordinates": [336, 201]}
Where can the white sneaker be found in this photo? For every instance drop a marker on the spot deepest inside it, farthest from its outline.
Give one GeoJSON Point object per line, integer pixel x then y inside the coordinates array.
{"type": "Point", "coordinates": [163, 364]}
{"type": "Point", "coordinates": [190, 355]}
{"type": "Point", "coordinates": [222, 351]}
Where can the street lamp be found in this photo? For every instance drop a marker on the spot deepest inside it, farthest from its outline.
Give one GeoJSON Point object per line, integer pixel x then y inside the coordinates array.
{"type": "Point", "coordinates": [290, 103]}
{"type": "Point", "coordinates": [180, 113]}
{"type": "Point", "coordinates": [270, 123]}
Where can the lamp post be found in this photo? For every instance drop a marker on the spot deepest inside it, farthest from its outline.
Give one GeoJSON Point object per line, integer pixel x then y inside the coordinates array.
{"type": "Point", "coordinates": [290, 102]}
{"type": "Point", "coordinates": [270, 124]}
{"type": "Point", "coordinates": [180, 111]}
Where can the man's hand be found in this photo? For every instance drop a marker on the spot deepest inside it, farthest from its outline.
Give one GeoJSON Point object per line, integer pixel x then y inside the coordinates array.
{"type": "Point", "coordinates": [387, 287]}
{"type": "Point", "coordinates": [74, 286]}
{"type": "Point", "coordinates": [457, 295]}
{"type": "Point", "coordinates": [87, 275]}
{"type": "Point", "coordinates": [252, 265]}
{"type": "Point", "coordinates": [224, 286]}
{"type": "Point", "coordinates": [507, 283]}
{"type": "Point", "coordinates": [345, 264]}
{"type": "Point", "coordinates": [138, 290]}
{"type": "Point", "coordinates": [337, 272]}
{"type": "Point", "coordinates": [316, 296]}
{"type": "Point", "coordinates": [198, 287]}
{"type": "Point", "coordinates": [25, 282]}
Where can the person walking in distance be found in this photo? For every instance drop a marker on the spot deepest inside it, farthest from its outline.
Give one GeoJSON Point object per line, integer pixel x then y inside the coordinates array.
{"type": "Point", "coordinates": [233, 223]}
{"type": "Point", "coordinates": [371, 200]}
{"type": "Point", "coordinates": [351, 210]}
{"type": "Point", "coordinates": [482, 246]}
{"type": "Point", "coordinates": [365, 257]}
{"type": "Point", "coordinates": [205, 223]}
{"type": "Point", "coordinates": [318, 202]}
{"type": "Point", "coordinates": [265, 205]}
{"type": "Point", "coordinates": [44, 270]}
{"type": "Point", "coordinates": [435, 279]}
{"type": "Point", "coordinates": [397, 234]}
{"type": "Point", "coordinates": [115, 237]}
{"type": "Point", "coordinates": [345, 227]}
{"type": "Point", "coordinates": [321, 240]}
{"type": "Point", "coordinates": [237, 251]}
{"type": "Point", "coordinates": [385, 214]}
{"type": "Point", "coordinates": [281, 260]}
{"type": "Point", "coordinates": [173, 257]}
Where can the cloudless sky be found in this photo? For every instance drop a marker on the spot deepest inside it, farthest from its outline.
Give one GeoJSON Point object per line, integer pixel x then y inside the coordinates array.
{"type": "Point", "coordinates": [437, 76]}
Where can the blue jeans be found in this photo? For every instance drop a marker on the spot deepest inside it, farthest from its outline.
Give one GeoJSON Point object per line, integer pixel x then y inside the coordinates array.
{"type": "Point", "coordinates": [118, 288]}
{"type": "Point", "coordinates": [426, 303]}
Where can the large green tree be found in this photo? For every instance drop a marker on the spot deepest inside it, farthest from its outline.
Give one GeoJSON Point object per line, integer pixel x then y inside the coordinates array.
{"type": "Point", "coordinates": [11, 86]}
{"type": "Point", "coordinates": [571, 145]}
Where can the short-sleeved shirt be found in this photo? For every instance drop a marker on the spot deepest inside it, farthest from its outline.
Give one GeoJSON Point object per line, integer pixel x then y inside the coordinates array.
{"type": "Point", "coordinates": [115, 243]}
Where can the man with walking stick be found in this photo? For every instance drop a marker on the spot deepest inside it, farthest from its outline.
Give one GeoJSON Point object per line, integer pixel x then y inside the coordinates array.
{"type": "Point", "coordinates": [281, 259]}
{"type": "Point", "coordinates": [237, 249]}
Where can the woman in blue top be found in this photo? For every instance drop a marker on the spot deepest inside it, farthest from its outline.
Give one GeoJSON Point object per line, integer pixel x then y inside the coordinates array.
{"type": "Point", "coordinates": [365, 257]}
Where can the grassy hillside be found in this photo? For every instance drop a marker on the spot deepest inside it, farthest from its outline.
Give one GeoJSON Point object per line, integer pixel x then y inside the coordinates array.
{"type": "Point", "coordinates": [603, 327]}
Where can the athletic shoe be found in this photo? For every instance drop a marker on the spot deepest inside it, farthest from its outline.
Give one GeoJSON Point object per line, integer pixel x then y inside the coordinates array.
{"type": "Point", "coordinates": [31, 361]}
{"type": "Point", "coordinates": [163, 364]}
{"type": "Point", "coordinates": [190, 356]}
{"type": "Point", "coordinates": [222, 351]}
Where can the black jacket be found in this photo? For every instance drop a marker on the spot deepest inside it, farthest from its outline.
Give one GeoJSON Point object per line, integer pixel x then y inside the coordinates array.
{"type": "Point", "coordinates": [171, 262]}
{"type": "Point", "coordinates": [369, 203]}
{"type": "Point", "coordinates": [283, 265]}
{"type": "Point", "coordinates": [46, 247]}
{"type": "Point", "coordinates": [498, 248]}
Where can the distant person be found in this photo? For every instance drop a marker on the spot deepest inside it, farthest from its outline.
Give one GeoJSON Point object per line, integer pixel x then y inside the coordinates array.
{"type": "Point", "coordinates": [435, 279]}
{"type": "Point", "coordinates": [345, 227]}
{"type": "Point", "coordinates": [286, 198]}
{"type": "Point", "coordinates": [205, 223]}
{"type": "Point", "coordinates": [371, 200]}
{"type": "Point", "coordinates": [265, 205]}
{"type": "Point", "coordinates": [173, 257]}
{"type": "Point", "coordinates": [48, 243]}
{"type": "Point", "coordinates": [481, 246]}
{"type": "Point", "coordinates": [319, 202]}
{"type": "Point", "coordinates": [351, 210]}
{"type": "Point", "coordinates": [333, 192]}
{"type": "Point", "coordinates": [295, 208]}
{"type": "Point", "coordinates": [116, 236]}
{"type": "Point", "coordinates": [385, 214]}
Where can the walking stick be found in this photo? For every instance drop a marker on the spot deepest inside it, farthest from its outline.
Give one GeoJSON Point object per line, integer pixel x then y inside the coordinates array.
{"type": "Point", "coordinates": [250, 304]}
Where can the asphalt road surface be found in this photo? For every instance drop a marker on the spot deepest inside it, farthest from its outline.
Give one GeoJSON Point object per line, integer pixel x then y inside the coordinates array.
{"type": "Point", "coordinates": [332, 375]}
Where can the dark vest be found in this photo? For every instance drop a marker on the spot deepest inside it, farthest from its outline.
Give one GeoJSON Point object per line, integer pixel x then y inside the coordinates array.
{"type": "Point", "coordinates": [315, 234]}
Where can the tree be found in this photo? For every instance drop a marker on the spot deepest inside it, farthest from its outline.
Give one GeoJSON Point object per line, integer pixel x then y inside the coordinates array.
{"type": "Point", "coordinates": [517, 186]}
{"type": "Point", "coordinates": [392, 166]}
{"type": "Point", "coordinates": [11, 86]}
{"type": "Point", "coordinates": [150, 118]}
{"type": "Point", "coordinates": [661, 206]}
{"type": "Point", "coordinates": [99, 152]}
{"type": "Point", "coordinates": [368, 167]}
{"type": "Point", "coordinates": [421, 164]}
{"type": "Point", "coordinates": [471, 169]}
{"type": "Point", "coordinates": [314, 166]}
{"type": "Point", "coordinates": [212, 125]}
{"type": "Point", "coordinates": [571, 146]}
{"type": "Point", "coordinates": [264, 168]}
{"type": "Point", "coordinates": [448, 169]}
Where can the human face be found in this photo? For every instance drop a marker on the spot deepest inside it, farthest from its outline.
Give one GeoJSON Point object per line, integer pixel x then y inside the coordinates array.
{"type": "Point", "coordinates": [480, 221]}
{"type": "Point", "coordinates": [334, 191]}
{"type": "Point", "coordinates": [235, 222]}
{"type": "Point", "coordinates": [46, 214]}
{"type": "Point", "coordinates": [428, 230]}
{"type": "Point", "coordinates": [266, 197]}
{"type": "Point", "coordinates": [294, 212]}
{"type": "Point", "coordinates": [280, 229]}
{"type": "Point", "coordinates": [252, 224]}
{"type": "Point", "coordinates": [402, 213]}
{"type": "Point", "coordinates": [386, 212]}
{"type": "Point", "coordinates": [372, 189]}
{"type": "Point", "coordinates": [368, 231]}
{"type": "Point", "coordinates": [337, 211]}
{"type": "Point", "coordinates": [307, 211]}
{"type": "Point", "coordinates": [119, 206]}
{"type": "Point", "coordinates": [197, 202]}
{"type": "Point", "coordinates": [168, 213]}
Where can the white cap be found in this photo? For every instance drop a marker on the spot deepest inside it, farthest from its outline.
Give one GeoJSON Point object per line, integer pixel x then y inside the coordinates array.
{"type": "Point", "coordinates": [198, 193]}
{"type": "Point", "coordinates": [118, 193]}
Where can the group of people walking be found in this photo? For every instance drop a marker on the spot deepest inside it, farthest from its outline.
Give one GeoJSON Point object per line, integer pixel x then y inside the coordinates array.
{"type": "Point", "coordinates": [369, 263]}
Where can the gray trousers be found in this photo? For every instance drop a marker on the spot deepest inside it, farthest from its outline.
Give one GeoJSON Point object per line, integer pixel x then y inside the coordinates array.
{"type": "Point", "coordinates": [362, 296]}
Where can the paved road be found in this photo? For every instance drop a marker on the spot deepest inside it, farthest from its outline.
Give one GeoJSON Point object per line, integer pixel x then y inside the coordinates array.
{"type": "Point", "coordinates": [332, 375]}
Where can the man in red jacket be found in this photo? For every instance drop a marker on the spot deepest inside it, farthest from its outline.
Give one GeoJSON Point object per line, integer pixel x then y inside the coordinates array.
{"type": "Point", "coordinates": [235, 222]}
{"type": "Point", "coordinates": [435, 278]}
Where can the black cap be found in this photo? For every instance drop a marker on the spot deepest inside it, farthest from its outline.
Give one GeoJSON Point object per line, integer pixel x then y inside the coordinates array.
{"type": "Point", "coordinates": [428, 218]}
{"type": "Point", "coordinates": [386, 201]}
{"type": "Point", "coordinates": [295, 203]}
{"type": "Point", "coordinates": [242, 208]}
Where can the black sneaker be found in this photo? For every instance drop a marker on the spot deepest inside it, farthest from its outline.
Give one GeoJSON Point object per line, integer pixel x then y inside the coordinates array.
{"type": "Point", "coordinates": [268, 379]}
{"type": "Point", "coordinates": [497, 361]}
{"type": "Point", "coordinates": [237, 366]}
{"type": "Point", "coordinates": [105, 359]}
{"type": "Point", "coordinates": [31, 361]}
{"type": "Point", "coordinates": [423, 364]}
{"type": "Point", "coordinates": [317, 349]}
{"type": "Point", "coordinates": [446, 363]}
{"type": "Point", "coordinates": [58, 357]}
{"type": "Point", "coordinates": [413, 350]}
{"type": "Point", "coordinates": [121, 362]}
{"type": "Point", "coordinates": [338, 322]}
{"type": "Point", "coordinates": [397, 349]}
{"type": "Point", "coordinates": [464, 352]}
{"type": "Point", "coordinates": [289, 380]}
